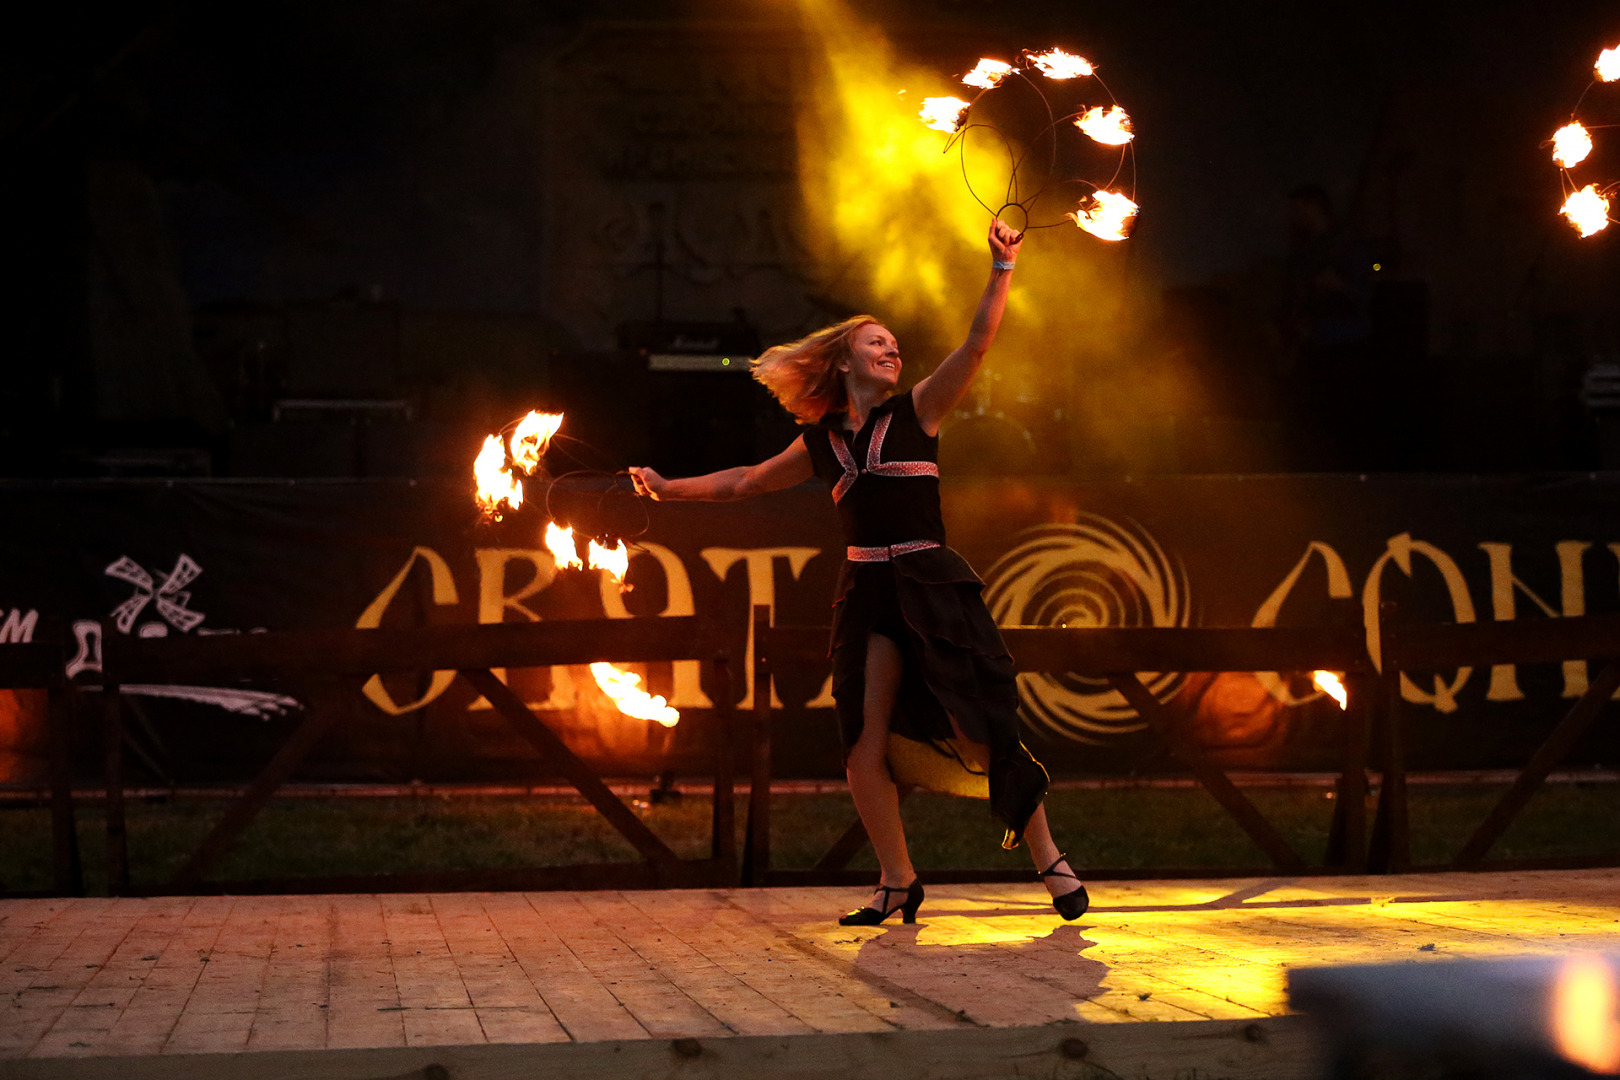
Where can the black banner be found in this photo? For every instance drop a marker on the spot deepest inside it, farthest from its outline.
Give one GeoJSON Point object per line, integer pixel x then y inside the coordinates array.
{"type": "Point", "coordinates": [171, 559]}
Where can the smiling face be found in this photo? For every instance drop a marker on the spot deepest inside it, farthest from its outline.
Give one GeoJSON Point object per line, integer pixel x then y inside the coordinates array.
{"type": "Point", "coordinates": [875, 357]}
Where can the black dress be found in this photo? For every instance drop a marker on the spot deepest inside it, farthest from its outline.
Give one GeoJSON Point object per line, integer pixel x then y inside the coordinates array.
{"type": "Point", "coordinates": [901, 581]}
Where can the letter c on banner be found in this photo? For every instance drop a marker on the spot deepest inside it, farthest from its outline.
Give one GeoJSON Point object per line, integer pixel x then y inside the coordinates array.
{"type": "Point", "coordinates": [1338, 588]}
{"type": "Point", "coordinates": [444, 594]}
{"type": "Point", "coordinates": [1401, 549]}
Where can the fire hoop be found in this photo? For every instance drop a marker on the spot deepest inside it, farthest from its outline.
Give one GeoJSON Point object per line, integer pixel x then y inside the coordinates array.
{"type": "Point", "coordinates": [1586, 206]}
{"type": "Point", "coordinates": [1100, 210]}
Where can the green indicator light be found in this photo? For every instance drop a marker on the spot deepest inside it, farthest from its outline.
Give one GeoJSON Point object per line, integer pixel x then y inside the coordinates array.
{"type": "Point", "coordinates": [725, 361]}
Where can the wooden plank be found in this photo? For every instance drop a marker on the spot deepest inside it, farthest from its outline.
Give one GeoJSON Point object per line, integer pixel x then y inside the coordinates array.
{"type": "Point", "coordinates": [293, 1008]}
{"type": "Point", "coordinates": [87, 1022]}
{"type": "Point", "coordinates": [67, 872]}
{"type": "Point", "coordinates": [1271, 1049]}
{"type": "Point", "coordinates": [757, 852]}
{"type": "Point", "coordinates": [658, 1005]}
{"type": "Point", "coordinates": [218, 1013]}
{"type": "Point", "coordinates": [433, 1000]}
{"type": "Point", "coordinates": [320, 719]}
{"type": "Point", "coordinates": [362, 995]}
{"type": "Point", "coordinates": [1443, 646]}
{"type": "Point", "coordinates": [1389, 850]}
{"type": "Point", "coordinates": [557, 755]}
{"type": "Point", "coordinates": [683, 873]}
{"type": "Point", "coordinates": [40, 982]}
{"type": "Point", "coordinates": [723, 810]}
{"type": "Point", "coordinates": [1233, 801]}
{"type": "Point", "coordinates": [508, 1007]}
{"type": "Point", "coordinates": [586, 1010]}
{"type": "Point", "coordinates": [740, 1008]}
{"type": "Point", "coordinates": [1557, 746]}
{"type": "Point", "coordinates": [112, 770]}
{"type": "Point", "coordinates": [147, 1021]}
{"type": "Point", "coordinates": [350, 653]}
{"type": "Point", "coordinates": [1118, 650]}
{"type": "Point", "coordinates": [772, 962]}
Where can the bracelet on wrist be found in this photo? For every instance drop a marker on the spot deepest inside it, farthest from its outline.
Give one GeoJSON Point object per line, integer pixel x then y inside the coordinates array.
{"type": "Point", "coordinates": [1002, 264]}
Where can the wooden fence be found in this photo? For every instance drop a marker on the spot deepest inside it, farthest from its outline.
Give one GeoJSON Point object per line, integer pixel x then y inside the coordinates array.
{"type": "Point", "coordinates": [340, 660]}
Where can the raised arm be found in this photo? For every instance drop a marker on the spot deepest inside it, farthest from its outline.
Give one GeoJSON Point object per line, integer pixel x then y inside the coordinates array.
{"type": "Point", "coordinates": [791, 466]}
{"type": "Point", "coordinates": [936, 395]}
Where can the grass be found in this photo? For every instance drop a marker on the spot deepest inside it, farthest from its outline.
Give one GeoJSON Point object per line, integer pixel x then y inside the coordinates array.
{"type": "Point", "coordinates": [1117, 828]}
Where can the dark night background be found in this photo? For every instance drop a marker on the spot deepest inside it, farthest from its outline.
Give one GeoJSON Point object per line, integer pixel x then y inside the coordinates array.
{"type": "Point", "coordinates": [302, 239]}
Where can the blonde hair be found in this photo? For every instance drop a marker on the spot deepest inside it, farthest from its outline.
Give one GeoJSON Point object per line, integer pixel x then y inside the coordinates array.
{"type": "Point", "coordinates": [803, 375]}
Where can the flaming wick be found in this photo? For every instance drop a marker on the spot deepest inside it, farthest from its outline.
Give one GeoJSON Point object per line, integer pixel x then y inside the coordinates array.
{"type": "Point", "coordinates": [988, 75]}
{"type": "Point", "coordinates": [1587, 210]}
{"type": "Point", "coordinates": [1108, 215]}
{"type": "Point", "coordinates": [946, 114]}
{"type": "Point", "coordinates": [1571, 144]}
{"type": "Point", "coordinates": [615, 560]}
{"type": "Point", "coordinates": [628, 697]}
{"type": "Point", "coordinates": [1607, 67]}
{"type": "Point", "coordinates": [564, 551]}
{"type": "Point", "coordinates": [1057, 64]}
{"type": "Point", "coordinates": [531, 437]}
{"type": "Point", "coordinates": [497, 487]}
{"type": "Point", "coordinates": [1111, 127]}
{"type": "Point", "coordinates": [1330, 684]}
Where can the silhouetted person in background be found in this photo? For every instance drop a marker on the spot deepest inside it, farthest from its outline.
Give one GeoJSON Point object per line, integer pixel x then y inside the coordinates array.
{"type": "Point", "coordinates": [1327, 325]}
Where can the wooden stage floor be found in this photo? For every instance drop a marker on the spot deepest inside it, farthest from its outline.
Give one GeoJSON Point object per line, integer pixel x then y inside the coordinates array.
{"type": "Point", "coordinates": [989, 982]}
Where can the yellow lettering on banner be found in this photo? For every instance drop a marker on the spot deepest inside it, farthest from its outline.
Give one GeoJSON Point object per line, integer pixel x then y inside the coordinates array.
{"type": "Point", "coordinates": [1400, 550]}
{"type": "Point", "coordinates": [1338, 588]}
{"type": "Point", "coordinates": [761, 590]}
{"type": "Point", "coordinates": [687, 693]}
{"type": "Point", "coordinates": [444, 595]}
{"type": "Point", "coordinates": [494, 601]}
{"type": "Point", "coordinates": [1572, 595]}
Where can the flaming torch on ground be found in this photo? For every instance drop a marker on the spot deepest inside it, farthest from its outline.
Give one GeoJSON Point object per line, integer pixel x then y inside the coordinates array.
{"type": "Point", "coordinates": [1586, 205]}
{"type": "Point", "coordinates": [499, 491]}
{"type": "Point", "coordinates": [1106, 212]}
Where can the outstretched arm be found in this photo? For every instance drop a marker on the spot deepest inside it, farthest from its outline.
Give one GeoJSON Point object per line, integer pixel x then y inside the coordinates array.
{"type": "Point", "coordinates": [938, 394]}
{"type": "Point", "coordinates": [791, 466]}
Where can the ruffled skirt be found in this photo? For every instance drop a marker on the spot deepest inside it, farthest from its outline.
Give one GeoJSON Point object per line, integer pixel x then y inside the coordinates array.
{"type": "Point", "coordinates": [954, 665]}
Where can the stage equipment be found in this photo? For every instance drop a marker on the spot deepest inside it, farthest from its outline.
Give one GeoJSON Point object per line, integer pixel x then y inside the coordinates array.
{"type": "Point", "coordinates": [1586, 205]}
{"type": "Point", "coordinates": [1042, 156]}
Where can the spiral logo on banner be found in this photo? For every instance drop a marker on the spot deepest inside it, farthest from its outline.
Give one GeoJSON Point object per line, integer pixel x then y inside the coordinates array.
{"type": "Point", "coordinates": [1096, 572]}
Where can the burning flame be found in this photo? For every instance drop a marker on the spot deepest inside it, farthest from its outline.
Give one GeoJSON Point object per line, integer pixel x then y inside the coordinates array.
{"type": "Point", "coordinates": [497, 486]}
{"type": "Point", "coordinates": [1584, 1025]}
{"type": "Point", "coordinates": [615, 560]}
{"type": "Point", "coordinates": [1057, 64]}
{"type": "Point", "coordinates": [1571, 144]}
{"type": "Point", "coordinates": [628, 696]}
{"type": "Point", "coordinates": [1587, 210]}
{"type": "Point", "coordinates": [1330, 684]}
{"type": "Point", "coordinates": [1111, 128]}
{"type": "Point", "coordinates": [1608, 65]}
{"type": "Point", "coordinates": [560, 542]}
{"type": "Point", "coordinates": [988, 74]}
{"type": "Point", "coordinates": [531, 437]}
{"type": "Point", "coordinates": [945, 114]}
{"type": "Point", "coordinates": [1107, 215]}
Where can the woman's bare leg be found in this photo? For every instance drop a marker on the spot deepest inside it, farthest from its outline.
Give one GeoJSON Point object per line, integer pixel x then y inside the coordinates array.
{"type": "Point", "coordinates": [867, 767]}
{"type": "Point", "coordinates": [1037, 834]}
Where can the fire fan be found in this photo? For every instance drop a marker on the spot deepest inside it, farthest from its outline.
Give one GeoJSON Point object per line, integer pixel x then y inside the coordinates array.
{"type": "Point", "coordinates": [1586, 206]}
{"type": "Point", "coordinates": [1049, 154]}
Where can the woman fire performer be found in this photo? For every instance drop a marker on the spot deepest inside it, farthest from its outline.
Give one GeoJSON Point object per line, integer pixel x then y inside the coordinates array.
{"type": "Point", "coordinates": [922, 680]}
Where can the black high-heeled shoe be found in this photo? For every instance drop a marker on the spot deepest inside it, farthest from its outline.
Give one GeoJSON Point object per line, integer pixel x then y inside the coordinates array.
{"type": "Point", "coordinates": [871, 916]}
{"type": "Point", "coordinates": [1070, 905]}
